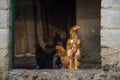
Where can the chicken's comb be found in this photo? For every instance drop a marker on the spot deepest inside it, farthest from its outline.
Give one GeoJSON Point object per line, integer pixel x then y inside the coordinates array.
{"type": "Point", "coordinates": [59, 43]}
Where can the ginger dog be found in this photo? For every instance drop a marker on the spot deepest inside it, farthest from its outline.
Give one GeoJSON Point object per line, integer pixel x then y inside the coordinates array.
{"type": "Point", "coordinates": [73, 48]}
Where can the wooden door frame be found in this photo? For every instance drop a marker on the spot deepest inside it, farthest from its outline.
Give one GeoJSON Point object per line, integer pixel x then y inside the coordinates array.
{"type": "Point", "coordinates": [13, 33]}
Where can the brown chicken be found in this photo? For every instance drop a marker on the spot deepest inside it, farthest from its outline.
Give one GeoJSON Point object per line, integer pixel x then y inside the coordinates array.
{"type": "Point", "coordinates": [63, 55]}
{"type": "Point", "coordinates": [73, 48]}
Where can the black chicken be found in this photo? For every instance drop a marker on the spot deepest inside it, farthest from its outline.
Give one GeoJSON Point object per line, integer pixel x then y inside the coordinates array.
{"type": "Point", "coordinates": [44, 59]}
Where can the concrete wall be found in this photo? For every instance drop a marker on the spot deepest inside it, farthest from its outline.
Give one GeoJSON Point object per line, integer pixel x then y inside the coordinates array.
{"type": "Point", "coordinates": [4, 34]}
{"type": "Point", "coordinates": [88, 18]}
{"type": "Point", "coordinates": [110, 33]}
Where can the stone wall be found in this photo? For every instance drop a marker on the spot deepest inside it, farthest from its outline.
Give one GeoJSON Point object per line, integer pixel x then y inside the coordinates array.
{"type": "Point", "coordinates": [110, 33]}
{"type": "Point", "coordinates": [45, 74]}
{"type": "Point", "coordinates": [50, 74]}
{"type": "Point", "coordinates": [4, 34]}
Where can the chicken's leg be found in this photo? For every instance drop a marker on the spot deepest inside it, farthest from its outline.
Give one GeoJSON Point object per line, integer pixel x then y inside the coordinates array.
{"type": "Point", "coordinates": [76, 64]}
{"type": "Point", "coordinates": [70, 64]}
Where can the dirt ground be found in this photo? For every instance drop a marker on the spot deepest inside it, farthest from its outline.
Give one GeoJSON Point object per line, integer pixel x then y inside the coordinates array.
{"type": "Point", "coordinates": [25, 61]}
{"type": "Point", "coordinates": [28, 62]}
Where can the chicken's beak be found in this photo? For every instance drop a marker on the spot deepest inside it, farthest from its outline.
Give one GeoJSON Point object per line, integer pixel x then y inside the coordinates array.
{"type": "Point", "coordinates": [77, 27]}
{"type": "Point", "coordinates": [57, 47]}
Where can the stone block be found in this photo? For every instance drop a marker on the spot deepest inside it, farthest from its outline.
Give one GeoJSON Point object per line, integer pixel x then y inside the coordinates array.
{"type": "Point", "coordinates": [110, 57]}
{"type": "Point", "coordinates": [4, 18]}
{"type": "Point", "coordinates": [4, 38]}
{"type": "Point", "coordinates": [4, 4]}
{"type": "Point", "coordinates": [4, 63]}
{"type": "Point", "coordinates": [110, 3]}
{"type": "Point", "coordinates": [110, 38]}
{"type": "Point", "coordinates": [110, 19]}
{"type": "Point", "coordinates": [4, 59]}
{"type": "Point", "coordinates": [4, 52]}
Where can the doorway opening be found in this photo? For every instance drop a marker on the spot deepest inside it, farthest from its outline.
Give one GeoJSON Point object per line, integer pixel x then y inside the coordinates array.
{"type": "Point", "coordinates": [35, 20]}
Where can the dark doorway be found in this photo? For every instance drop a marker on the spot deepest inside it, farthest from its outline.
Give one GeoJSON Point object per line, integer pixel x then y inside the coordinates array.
{"type": "Point", "coordinates": [57, 15]}
{"type": "Point", "coordinates": [35, 20]}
